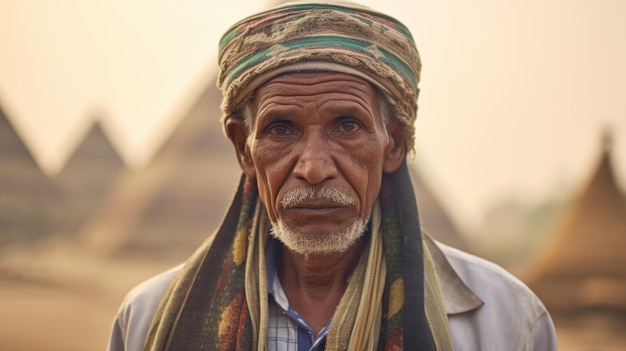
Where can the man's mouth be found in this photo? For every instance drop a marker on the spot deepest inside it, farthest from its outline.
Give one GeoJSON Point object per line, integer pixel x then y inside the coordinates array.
{"type": "Point", "coordinates": [317, 205]}
{"type": "Point", "coordinates": [316, 198]}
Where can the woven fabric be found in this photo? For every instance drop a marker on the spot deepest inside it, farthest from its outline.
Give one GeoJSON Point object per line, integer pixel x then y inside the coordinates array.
{"type": "Point", "coordinates": [356, 322]}
{"type": "Point", "coordinates": [219, 299]}
{"type": "Point", "coordinates": [330, 36]}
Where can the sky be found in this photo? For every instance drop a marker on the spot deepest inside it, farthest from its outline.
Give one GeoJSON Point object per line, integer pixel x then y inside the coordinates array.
{"type": "Point", "coordinates": [514, 94]}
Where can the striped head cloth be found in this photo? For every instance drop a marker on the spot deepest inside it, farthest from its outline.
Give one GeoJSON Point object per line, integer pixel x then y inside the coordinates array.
{"type": "Point", "coordinates": [336, 36]}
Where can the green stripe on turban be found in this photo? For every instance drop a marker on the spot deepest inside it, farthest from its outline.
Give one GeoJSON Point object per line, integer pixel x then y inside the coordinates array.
{"type": "Point", "coordinates": [330, 36]}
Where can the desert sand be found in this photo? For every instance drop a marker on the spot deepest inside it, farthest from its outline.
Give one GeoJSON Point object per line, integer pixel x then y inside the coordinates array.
{"type": "Point", "coordinates": [63, 298]}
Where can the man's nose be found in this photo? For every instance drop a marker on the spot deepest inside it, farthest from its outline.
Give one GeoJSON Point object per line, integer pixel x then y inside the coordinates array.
{"type": "Point", "coordinates": [315, 163]}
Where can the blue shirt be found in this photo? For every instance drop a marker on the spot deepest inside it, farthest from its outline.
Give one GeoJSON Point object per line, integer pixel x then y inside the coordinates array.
{"type": "Point", "coordinates": [287, 329]}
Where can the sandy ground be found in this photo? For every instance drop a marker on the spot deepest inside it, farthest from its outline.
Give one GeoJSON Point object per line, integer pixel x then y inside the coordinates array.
{"type": "Point", "coordinates": [64, 298]}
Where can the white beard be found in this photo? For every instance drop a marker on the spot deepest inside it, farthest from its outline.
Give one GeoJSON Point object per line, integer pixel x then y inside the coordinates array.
{"type": "Point", "coordinates": [318, 243]}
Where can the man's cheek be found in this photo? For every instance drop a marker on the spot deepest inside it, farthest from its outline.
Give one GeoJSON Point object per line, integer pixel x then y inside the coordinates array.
{"type": "Point", "coordinates": [267, 201]}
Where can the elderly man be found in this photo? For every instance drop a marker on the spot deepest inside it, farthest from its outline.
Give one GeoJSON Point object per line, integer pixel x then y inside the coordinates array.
{"type": "Point", "coordinates": [321, 248]}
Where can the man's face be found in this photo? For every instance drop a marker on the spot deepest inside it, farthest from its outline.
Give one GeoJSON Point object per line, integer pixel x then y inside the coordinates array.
{"type": "Point", "coordinates": [317, 148]}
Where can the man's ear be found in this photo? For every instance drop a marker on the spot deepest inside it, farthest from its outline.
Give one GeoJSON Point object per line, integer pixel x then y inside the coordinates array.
{"type": "Point", "coordinates": [237, 132]}
{"type": "Point", "coordinates": [396, 147]}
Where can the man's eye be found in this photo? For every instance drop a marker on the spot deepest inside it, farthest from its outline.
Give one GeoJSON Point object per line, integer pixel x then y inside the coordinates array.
{"type": "Point", "coordinates": [279, 129]}
{"type": "Point", "coordinates": [348, 126]}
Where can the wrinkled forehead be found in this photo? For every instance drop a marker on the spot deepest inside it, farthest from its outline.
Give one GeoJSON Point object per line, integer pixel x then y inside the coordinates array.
{"type": "Point", "coordinates": [318, 88]}
{"type": "Point", "coordinates": [314, 72]}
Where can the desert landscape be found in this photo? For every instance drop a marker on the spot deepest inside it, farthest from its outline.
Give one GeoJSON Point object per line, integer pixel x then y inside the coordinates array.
{"type": "Point", "coordinates": [114, 167]}
{"type": "Point", "coordinates": [59, 298]}
{"type": "Point", "coordinates": [72, 246]}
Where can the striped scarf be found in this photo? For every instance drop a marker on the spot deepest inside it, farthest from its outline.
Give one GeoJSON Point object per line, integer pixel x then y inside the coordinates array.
{"type": "Point", "coordinates": [216, 303]}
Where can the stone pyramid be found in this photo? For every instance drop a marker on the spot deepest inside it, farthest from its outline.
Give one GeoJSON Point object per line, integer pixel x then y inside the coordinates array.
{"type": "Point", "coordinates": [435, 218]}
{"type": "Point", "coordinates": [27, 196]}
{"type": "Point", "coordinates": [87, 177]}
{"type": "Point", "coordinates": [176, 201]}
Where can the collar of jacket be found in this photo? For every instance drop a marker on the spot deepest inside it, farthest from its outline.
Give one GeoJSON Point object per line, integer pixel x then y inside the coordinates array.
{"type": "Point", "coordinates": [457, 296]}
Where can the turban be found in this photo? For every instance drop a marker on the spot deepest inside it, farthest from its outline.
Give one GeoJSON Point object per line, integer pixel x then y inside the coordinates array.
{"type": "Point", "coordinates": [336, 36]}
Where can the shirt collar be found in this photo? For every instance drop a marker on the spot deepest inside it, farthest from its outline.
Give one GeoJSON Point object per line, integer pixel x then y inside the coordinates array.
{"type": "Point", "coordinates": [457, 296]}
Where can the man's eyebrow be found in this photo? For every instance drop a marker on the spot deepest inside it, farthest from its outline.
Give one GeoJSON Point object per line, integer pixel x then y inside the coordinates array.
{"type": "Point", "coordinates": [354, 108]}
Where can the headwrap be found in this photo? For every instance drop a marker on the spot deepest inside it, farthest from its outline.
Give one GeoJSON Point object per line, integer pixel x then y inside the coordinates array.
{"type": "Point", "coordinates": [337, 36]}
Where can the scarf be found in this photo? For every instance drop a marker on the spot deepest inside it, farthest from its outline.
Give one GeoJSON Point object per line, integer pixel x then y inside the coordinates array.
{"type": "Point", "coordinates": [218, 301]}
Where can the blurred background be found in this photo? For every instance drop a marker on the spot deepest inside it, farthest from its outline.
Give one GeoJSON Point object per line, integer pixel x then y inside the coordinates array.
{"type": "Point", "coordinates": [114, 167]}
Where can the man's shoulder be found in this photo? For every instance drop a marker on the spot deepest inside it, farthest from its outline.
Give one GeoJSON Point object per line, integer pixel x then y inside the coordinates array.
{"type": "Point", "coordinates": [520, 320]}
{"type": "Point", "coordinates": [141, 302]}
{"type": "Point", "coordinates": [135, 314]}
{"type": "Point", "coordinates": [151, 289]}
{"type": "Point", "coordinates": [472, 266]}
{"type": "Point", "coordinates": [485, 277]}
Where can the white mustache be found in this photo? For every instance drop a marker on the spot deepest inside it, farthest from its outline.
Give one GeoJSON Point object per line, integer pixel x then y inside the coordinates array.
{"type": "Point", "coordinates": [298, 196]}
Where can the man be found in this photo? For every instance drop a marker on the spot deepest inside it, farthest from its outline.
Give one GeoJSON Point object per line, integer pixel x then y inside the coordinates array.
{"type": "Point", "coordinates": [321, 248]}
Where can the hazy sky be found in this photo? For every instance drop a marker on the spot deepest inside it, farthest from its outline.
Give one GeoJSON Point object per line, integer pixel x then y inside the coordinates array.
{"type": "Point", "coordinates": [514, 96]}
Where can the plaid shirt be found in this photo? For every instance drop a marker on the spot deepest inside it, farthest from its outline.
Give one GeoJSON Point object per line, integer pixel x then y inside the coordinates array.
{"type": "Point", "coordinates": [287, 329]}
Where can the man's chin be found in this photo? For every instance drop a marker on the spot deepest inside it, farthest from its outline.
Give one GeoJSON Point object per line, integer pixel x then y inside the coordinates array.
{"type": "Point", "coordinates": [318, 243]}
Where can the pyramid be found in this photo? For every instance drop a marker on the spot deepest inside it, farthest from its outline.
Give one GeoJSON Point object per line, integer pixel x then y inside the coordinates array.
{"type": "Point", "coordinates": [435, 219]}
{"type": "Point", "coordinates": [87, 177]}
{"type": "Point", "coordinates": [27, 196]}
{"type": "Point", "coordinates": [191, 204]}
{"type": "Point", "coordinates": [583, 267]}
{"type": "Point", "coordinates": [174, 203]}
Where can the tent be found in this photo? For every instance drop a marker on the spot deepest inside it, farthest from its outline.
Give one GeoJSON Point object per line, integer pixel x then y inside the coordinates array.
{"type": "Point", "coordinates": [583, 267]}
